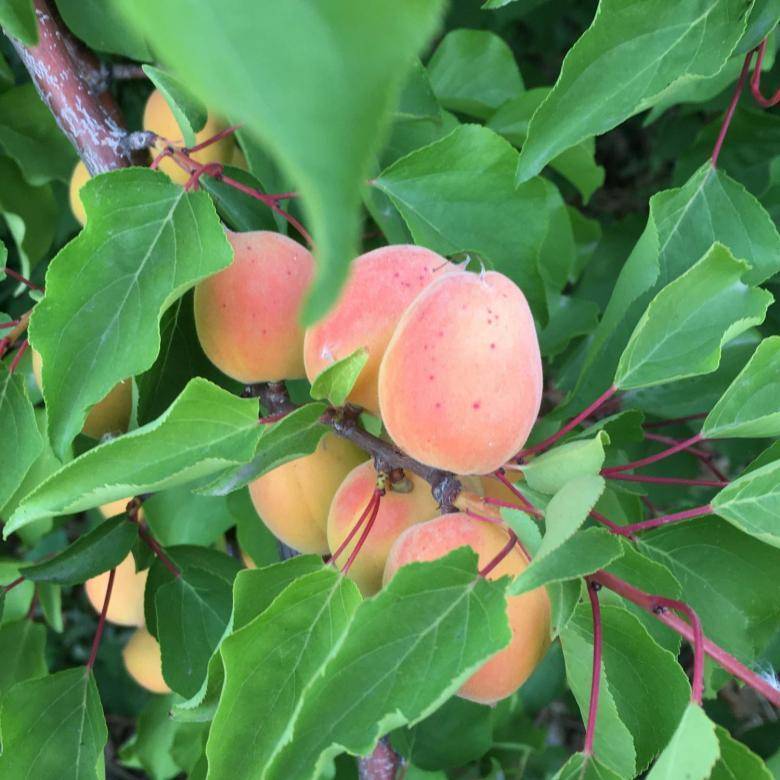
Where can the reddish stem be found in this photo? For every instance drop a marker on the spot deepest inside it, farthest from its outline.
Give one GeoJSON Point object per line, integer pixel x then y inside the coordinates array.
{"type": "Point", "coordinates": [272, 418]}
{"type": "Point", "coordinates": [23, 279]}
{"type": "Point", "coordinates": [12, 585]}
{"type": "Point", "coordinates": [382, 764]}
{"type": "Point", "coordinates": [676, 517]}
{"type": "Point", "coordinates": [698, 642]}
{"type": "Point", "coordinates": [724, 128]}
{"type": "Point", "coordinates": [679, 447]}
{"type": "Point", "coordinates": [18, 356]}
{"type": "Point", "coordinates": [484, 518]}
{"type": "Point", "coordinates": [212, 140]}
{"type": "Point", "coordinates": [501, 554]}
{"type": "Point", "coordinates": [671, 440]}
{"type": "Point", "coordinates": [366, 531]}
{"type": "Point", "coordinates": [669, 480]}
{"type": "Point", "coordinates": [675, 420]}
{"type": "Point", "coordinates": [595, 680]}
{"type": "Point", "coordinates": [9, 324]}
{"type": "Point", "coordinates": [614, 527]}
{"type": "Point", "coordinates": [526, 504]}
{"type": "Point", "coordinates": [573, 423]}
{"type": "Point", "coordinates": [101, 620]}
{"type": "Point", "coordinates": [755, 81]}
{"type": "Point", "coordinates": [355, 528]}
{"type": "Point", "coordinates": [153, 545]}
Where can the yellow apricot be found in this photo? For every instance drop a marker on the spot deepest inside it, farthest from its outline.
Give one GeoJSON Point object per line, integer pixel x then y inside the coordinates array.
{"type": "Point", "coordinates": [78, 179]}
{"type": "Point", "coordinates": [247, 314]}
{"type": "Point", "coordinates": [238, 159]}
{"type": "Point", "coordinates": [381, 284]}
{"type": "Point", "coordinates": [143, 661]}
{"type": "Point", "coordinates": [493, 488]}
{"type": "Point", "coordinates": [126, 607]}
{"type": "Point", "coordinates": [293, 499]}
{"type": "Point", "coordinates": [461, 381]}
{"type": "Point", "coordinates": [111, 415]}
{"type": "Point", "coordinates": [397, 511]}
{"type": "Point", "coordinates": [158, 118]}
{"type": "Point", "coordinates": [528, 614]}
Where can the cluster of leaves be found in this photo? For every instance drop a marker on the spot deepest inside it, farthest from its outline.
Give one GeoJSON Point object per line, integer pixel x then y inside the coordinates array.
{"type": "Point", "coordinates": [588, 181]}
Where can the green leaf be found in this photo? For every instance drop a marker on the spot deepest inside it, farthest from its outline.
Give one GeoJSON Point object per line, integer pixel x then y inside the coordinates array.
{"type": "Point", "coordinates": [17, 425]}
{"type": "Point", "coordinates": [526, 528]}
{"type": "Point", "coordinates": [203, 431]}
{"type": "Point", "coordinates": [750, 406]}
{"type": "Point", "coordinates": [682, 226]}
{"type": "Point", "coordinates": [552, 470]}
{"type": "Point", "coordinates": [61, 712]}
{"type": "Point", "coordinates": [417, 100]}
{"type": "Point", "coordinates": [564, 597]}
{"type": "Point", "coordinates": [30, 135]}
{"type": "Point", "coordinates": [335, 382]}
{"type": "Point", "coordinates": [446, 622]}
{"type": "Point", "coordinates": [628, 56]}
{"type": "Point", "coordinates": [146, 242]}
{"type": "Point", "coordinates": [692, 750]}
{"type": "Point", "coordinates": [582, 767]}
{"type": "Point", "coordinates": [97, 551]}
{"type": "Point", "coordinates": [752, 502]}
{"type": "Point", "coordinates": [238, 211]}
{"type": "Point", "coordinates": [473, 72]}
{"type": "Point", "coordinates": [22, 648]}
{"type": "Point", "coordinates": [581, 554]}
{"type": "Point", "coordinates": [270, 664]}
{"type": "Point", "coordinates": [292, 437]}
{"type": "Point", "coordinates": [189, 112]}
{"type": "Point", "coordinates": [347, 62]}
{"type": "Point", "coordinates": [736, 760]}
{"type": "Point", "coordinates": [685, 325]}
{"type": "Point", "coordinates": [15, 603]}
{"type": "Point", "coordinates": [569, 318]}
{"type": "Point", "coordinates": [50, 597]}
{"type": "Point", "coordinates": [18, 19]}
{"type": "Point", "coordinates": [458, 195]}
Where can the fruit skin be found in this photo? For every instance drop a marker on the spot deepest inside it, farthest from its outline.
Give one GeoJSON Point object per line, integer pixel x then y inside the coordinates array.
{"type": "Point", "coordinates": [529, 613]}
{"type": "Point", "coordinates": [293, 499]}
{"type": "Point", "coordinates": [126, 607]}
{"type": "Point", "coordinates": [381, 285]}
{"type": "Point", "coordinates": [143, 661]}
{"type": "Point", "coordinates": [397, 511]}
{"type": "Point", "coordinates": [158, 118]}
{"type": "Point", "coordinates": [461, 381]}
{"type": "Point", "coordinates": [493, 488]}
{"type": "Point", "coordinates": [247, 314]}
{"type": "Point", "coordinates": [111, 415]}
{"type": "Point", "coordinates": [78, 179]}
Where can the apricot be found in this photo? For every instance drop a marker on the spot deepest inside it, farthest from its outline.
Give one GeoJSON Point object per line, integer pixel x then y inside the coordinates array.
{"type": "Point", "coordinates": [111, 415]}
{"type": "Point", "coordinates": [126, 607]}
{"type": "Point", "coordinates": [493, 488]}
{"type": "Point", "coordinates": [143, 661]}
{"type": "Point", "coordinates": [158, 118]}
{"type": "Point", "coordinates": [460, 383]}
{"type": "Point", "coordinates": [293, 499]}
{"type": "Point", "coordinates": [381, 285]}
{"type": "Point", "coordinates": [246, 315]}
{"type": "Point", "coordinates": [402, 505]}
{"type": "Point", "coordinates": [528, 614]}
{"type": "Point", "coordinates": [78, 179]}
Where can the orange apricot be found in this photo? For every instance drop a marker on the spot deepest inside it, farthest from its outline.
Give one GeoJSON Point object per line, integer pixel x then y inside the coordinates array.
{"type": "Point", "coordinates": [143, 661]}
{"type": "Point", "coordinates": [293, 499]}
{"type": "Point", "coordinates": [247, 314]}
{"type": "Point", "coordinates": [158, 118]}
{"type": "Point", "coordinates": [78, 179]}
{"type": "Point", "coordinates": [111, 415]}
{"type": "Point", "coordinates": [402, 505]}
{"type": "Point", "coordinates": [126, 607]}
{"type": "Point", "coordinates": [460, 383]}
{"type": "Point", "coordinates": [528, 614]}
{"type": "Point", "coordinates": [381, 284]}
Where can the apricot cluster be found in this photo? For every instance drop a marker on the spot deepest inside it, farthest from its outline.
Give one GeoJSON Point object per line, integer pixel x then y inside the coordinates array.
{"type": "Point", "coordinates": [454, 372]}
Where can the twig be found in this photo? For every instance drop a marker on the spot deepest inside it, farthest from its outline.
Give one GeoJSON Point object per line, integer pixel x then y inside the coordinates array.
{"type": "Point", "coordinates": [676, 517]}
{"type": "Point", "coordinates": [755, 81]}
{"type": "Point", "coordinates": [23, 279]}
{"type": "Point", "coordinates": [595, 680]}
{"type": "Point", "coordinates": [667, 480]}
{"type": "Point", "coordinates": [382, 764]}
{"type": "Point", "coordinates": [101, 620]}
{"type": "Point", "coordinates": [698, 642]}
{"type": "Point", "coordinates": [679, 447]}
{"type": "Point", "coordinates": [728, 116]}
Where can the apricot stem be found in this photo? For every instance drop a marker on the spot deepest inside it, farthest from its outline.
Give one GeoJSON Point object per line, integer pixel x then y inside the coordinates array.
{"type": "Point", "coordinates": [674, 420]}
{"type": "Point", "coordinates": [755, 81]}
{"type": "Point", "coordinates": [9, 324]}
{"type": "Point", "coordinates": [132, 515]}
{"type": "Point", "coordinates": [718, 483]}
{"type": "Point", "coordinates": [614, 527]}
{"type": "Point", "coordinates": [355, 528]}
{"type": "Point", "coordinates": [676, 517]}
{"type": "Point", "coordinates": [727, 117]}
{"type": "Point", "coordinates": [502, 553]}
{"type": "Point", "coordinates": [11, 585]}
{"type": "Point", "coordinates": [698, 642]}
{"type": "Point", "coordinates": [188, 150]}
{"type": "Point", "coordinates": [18, 356]}
{"type": "Point", "coordinates": [476, 516]}
{"type": "Point", "coordinates": [679, 447]}
{"type": "Point", "coordinates": [101, 620]}
{"type": "Point", "coordinates": [672, 441]}
{"type": "Point", "coordinates": [595, 682]}
{"type": "Point", "coordinates": [23, 279]}
{"type": "Point", "coordinates": [526, 504]}
{"type": "Point", "coordinates": [377, 498]}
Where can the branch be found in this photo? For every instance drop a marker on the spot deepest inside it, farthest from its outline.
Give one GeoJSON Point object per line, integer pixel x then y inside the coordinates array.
{"type": "Point", "coordinates": [382, 764]}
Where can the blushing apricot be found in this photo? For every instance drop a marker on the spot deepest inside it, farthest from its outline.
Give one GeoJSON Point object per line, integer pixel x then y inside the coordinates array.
{"type": "Point", "coordinates": [461, 381]}
{"type": "Point", "coordinates": [247, 315]}
{"type": "Point", "coordinates": [528, 614]}
{"type": "Point", "coordinates": [111, 415]}
{"type": "Point", "coordinates": [158, 118]}
{"type": "Point", "coordinates": [126, 607]}
{"type": "Point", "coordinates": [293, 499]}
{"type": "Point", "coordinates": [381, 284]}
{"type": "Point", "coordinates": [143, 661]}
{"type": "Point", "coordinates": [78, 179]}
{"type": "Point", "coordinates": [397, 511]}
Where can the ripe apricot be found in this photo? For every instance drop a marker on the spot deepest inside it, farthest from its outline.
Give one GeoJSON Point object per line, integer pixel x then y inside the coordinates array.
{"type": "Point", "coordinates": [143, 661]}
{"type": "Point", "coordinates": [528, 614]}
{"type": "Point", "coordinates": [381, 284]}
{"type": "Point", "coordinates": [461, 381]}
{"type": "Point", "coordinates": [402, 505]}
{"type": "Point", "coordinates": [293, 499]}
{"type": "Point", "coordinates": [247, 314]}
{"type": "Point", "coordinates": [111, 415]}
{"type": "Point", "coordinates": [126, 607]}
{"type": "Point", "coordinates": [158, 118]}
{"type": "Point", "coordinates": [78, 179]}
